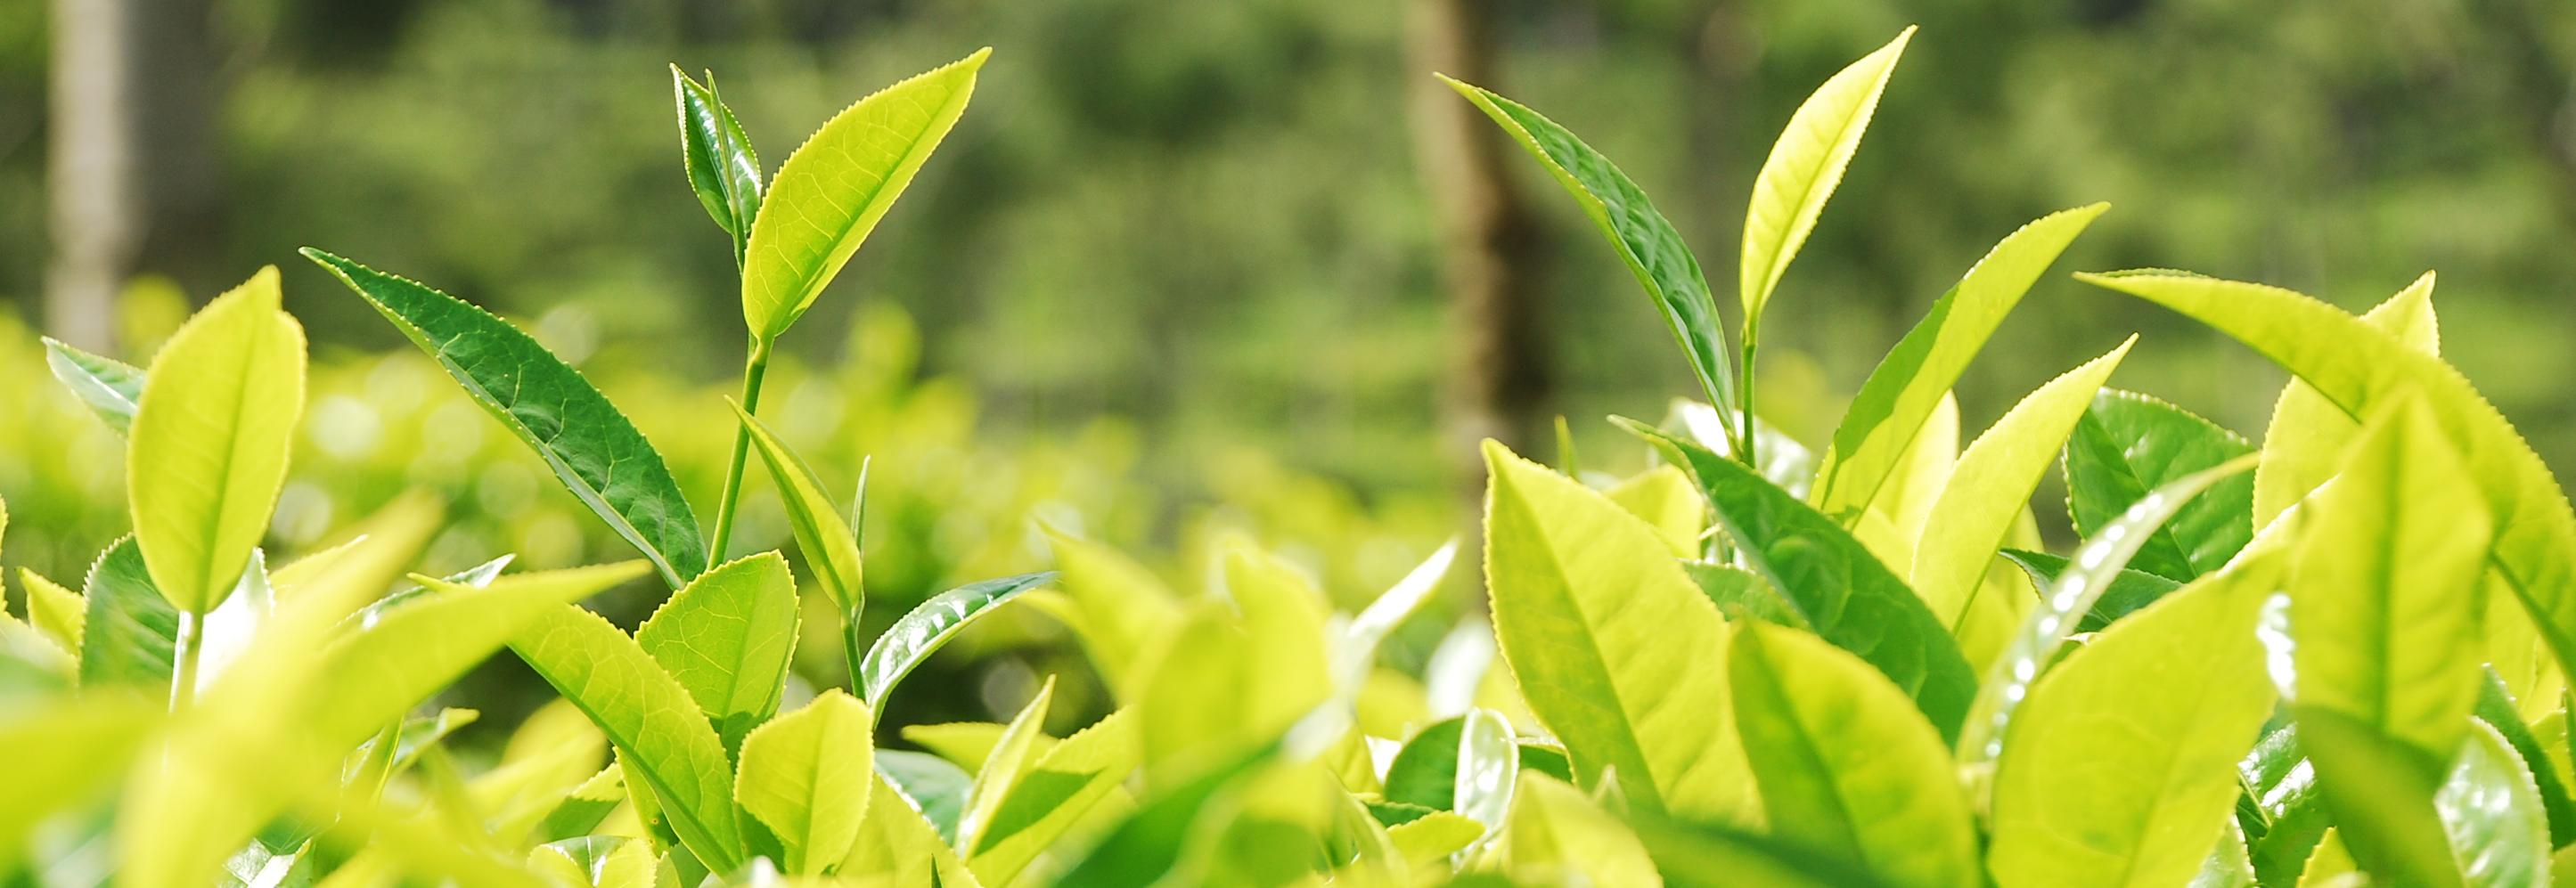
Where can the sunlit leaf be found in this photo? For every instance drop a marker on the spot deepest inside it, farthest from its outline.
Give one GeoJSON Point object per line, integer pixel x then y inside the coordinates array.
{"type": "Point", "coordinates": [1618, 653]}
{"type": "Point", "coordinates": [1892, 404]}
{"type": "Point", "coordinates": [110, 388]}
{"type": "Point", "coordinates": [61, 613]}
{"type": "Point", "coordinates": [1556, 836]}
{"type": "Point", "coordinates": [1010, 759]}
{"type": "Point", "coordinates": [1070, 782]}
{"type": "Point", "coordinates": [210, 441]}
{"type": "Point", "coordinates": [896, 845]}
{"type": "Point", "coordinates": [807, 775]}
{"type": "Point", "coordinates": [918, 634]}
{"type": "Point", "coordinates": [727, 637]}
{"type": "Point", "coordinates": [1804, 166]}
{"type": "Point", "coordinates": [1844, 761]}
{"type": "Point", "coordinates": [2120, 768]}
{"type": "Point", "coordinates": [592, 448]}
{"type": "Point", "coordinates": [63, 753]}
{"type": "Point", "coordinates": [669, 749]}
{"type": "Point", "coordinates": [830, 548]}
{"type": "Point", "coordinates": [1664, 498]}
{"type": "Point", "coordinates": [2308, 433]}
{"type": "Point", "coordinates": [1122, 607]}
{"type": "Point", "coordinates": [1992, 484]}
{"type": "Point", "coordinates": [595, 861]}
{"type": "Point", "coordinates": [833, 189]}
{"type": "Point", "coordinates": [2358, 368]}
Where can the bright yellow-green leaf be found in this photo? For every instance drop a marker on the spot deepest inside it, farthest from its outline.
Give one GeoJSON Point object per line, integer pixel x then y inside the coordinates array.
{"type": "Point", "coordinates": [1903, 391]}
{"type": "Point", "coordinates": [1122, 607]}
{"type": "Point", "coordinates": [671, 755]}
{"type": "Point", "coordinates": [727, 637]}
{"type": "Point", "coordinates": [1428, 840]}
{"type": "Point", "coordinates": [1069, 785]}
{"type": "Point", "coordinates": [2382, 596]}
{"type": "Point", "coordinates": [1804, 166]}
{"type": "Point", "coordinates": [2308, 433]}
{"type": "Point", "coordinates": [58, 612]}
{"type": "Point", "coordinates": [595, 861]}
{"type": "Point", "coordinates": [210, 441]}
{"type": "Point", "coordinates": [831, 192]}
{"type": "Point", "coordinates": [2121, 766]}
{"type": "Point", "coordinates": [1667, 501]}
{"type": "Point", "coordinates": [1894, 520]}
{"type": "Point", "coordinates": [962, 743]}
{"type": "Point", "coordinates": [2331, 865]}
{"type": "Point", "coordinates": [2359, 368]}
{"type": "Point", "coordinates": [807, 774]}
{"type": "Point", "coordinates": [830, 547]}
{"type": "Point", "coordinates": [897, 848]}
{"type": "Point", "coordinates": [1620, 655]}
{"type": "Point", "coordinates": [1011, 756]}
{"type": "Point", "coordinates": [1845, 762]}
{"type": "Point", "coordinates": [1992, 484]}
{"type": "Point", "coordinates": [63, 753]}
{"type": "Point", "coordinates": [1226, 678]}
{"type": "Point", "coordinates": [1557, 836]}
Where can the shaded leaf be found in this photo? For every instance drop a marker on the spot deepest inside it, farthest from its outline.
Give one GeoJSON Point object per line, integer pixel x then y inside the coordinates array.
{"type": "Point", "coordinates": [2129, 444]}
{"type": "Point", "coordinates": [722, 168]}
{"type": "Point", "coordinates": [918, 634]}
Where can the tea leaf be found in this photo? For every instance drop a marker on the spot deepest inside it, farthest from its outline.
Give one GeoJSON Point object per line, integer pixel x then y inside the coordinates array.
{"type": "Point", "coordinates": [595, 861]}
{"type": "Point", "coordinates": [666, 744]}
{"type": "Point", "coordinates": [1488, 766]}
{"type": "Point", "coordinates": [60, 613]}
{"type": "Point", "coordinates": [1992, 484]}
{"type": "Point", "coordinates": [897, 845]}
{"type": "Point", "coordinates": [592, 448]}
{"type": "Point", "coordinates": [1664, 498]}
{"type": "Point", "coordinates": [2128, 590]}
{"type": "Point", "coordinates": [1009, 760]}
{"type": "Point", "coordinates": [722, 168]}
{"type": "Point", "coordinates": [1645, 240]}
{"type": "Point", "coordinates": [2381, 595]}
{"type": "Point", "coordinates": [2496, 708]}
{"type": "Point", "coordinates": [808, 775]}
{"type": "Point", "coordinates": [918, 634]}
{"type": "Point", "coordinates": [1121, 608]}
{"type": "Point", "coordinates": [1075, 776]}
{"type": "Point", "coordinates": [727, 637]}
{"type": "Point", "coordinates": [1845, 764]}
{"type": "Point", "coordinates": [833, 189]}
{"type": "Point", "coordinates": [1896, 398]}
{"type": "Point", "coordinates": [2121, 764]}
{"type": "Point", "coordinates": [110, 388]}
{"type": "Point", "coordinates": [62, 753]}
{"type": "Point", "coordinates": [204, 468]}
{"type": "Point", "coordinates": [1804, 166]}
{"type": "Point", "coordinates": [2129, 444]}
{"type": "Point", "coordinates": [129, 630]}
{"type": "Point", "coordinates": [2380, 792]}
{"type": "Point", "coordinates": [1618, 653]}
{"type": "Point", "coordinates": [1425, 770]}
{"type": "Point", "coordinates": [2308, 433]}
{"type": "Point", "coordinates": [1837, 587]}
{"type": "Point", "coordinates": [830, 548]}
{"type": "Point", "coordinates": [2497, 829]}
{"type": "Point", "coordinates": [1556, 836]}
{"type": "Point", "coordinates": [930, 785]}
{"type": "Point", "coordinates": [2358, 368]}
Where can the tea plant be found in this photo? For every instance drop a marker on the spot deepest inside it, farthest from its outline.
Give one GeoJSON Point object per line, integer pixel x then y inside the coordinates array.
{"type": "Point", "coordinates": [2336, 657]}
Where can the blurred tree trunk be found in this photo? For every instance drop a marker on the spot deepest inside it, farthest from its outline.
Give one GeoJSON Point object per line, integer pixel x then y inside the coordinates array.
{"type": "Point", "coordinates": [96, 213]}
{"type": "Point", "coordinates": [1503, 379]}
{"type": "Point", "coordinates": [132, 169]}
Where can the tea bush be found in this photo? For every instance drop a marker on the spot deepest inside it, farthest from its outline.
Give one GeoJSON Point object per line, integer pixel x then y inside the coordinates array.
{"type": "Point", "coordinates": [2333, 657]}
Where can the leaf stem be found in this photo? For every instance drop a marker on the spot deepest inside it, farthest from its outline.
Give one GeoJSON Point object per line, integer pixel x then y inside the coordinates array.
{"type": "Point", "coordinates": [188, 647]}
{"type": "Point", "coordinates": [752, 371]}
{"type": "Point", "coordinates": [853, 652]}
{"type": "Point", "coordinates": [1744, 398]}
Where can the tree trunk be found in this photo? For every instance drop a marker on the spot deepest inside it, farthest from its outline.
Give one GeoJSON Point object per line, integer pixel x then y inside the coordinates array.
{"type": "Point", "coordinates": [1502, 380]}
{"type": "Point", "coordinates": [96, 212]}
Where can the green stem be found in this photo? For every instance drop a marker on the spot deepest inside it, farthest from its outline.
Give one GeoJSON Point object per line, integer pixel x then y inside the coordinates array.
{"type": "Point", "coordinates": [752, 371]}
{"type": "Point", "coordinates": [1744, 400]}
{"type": "Point", "coordinates": [852, 650]}
{"type": "Point", "coordinates": [188, 648]}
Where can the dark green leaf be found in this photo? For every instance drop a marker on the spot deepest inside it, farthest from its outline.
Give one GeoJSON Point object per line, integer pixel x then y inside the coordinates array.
{"type": "Point", "coordinates": [2496, 708]}
{"type": "Point", "coordinates": [722, 168]}
{"type": "Point", "coordinates": [130, 628]}
{"type": "Point", "coordinates": [2129, 444]}
{"type": "Point", "coordinates": [1834, 583]}
{"type": "Point", "coordinates": [593, 449]}
{"type": "Point", "coordinates": [2129, 590]}
{"type": "Point", "coordinates": [936, 787]}
{"type": "Point", "coordinates": [918, 634]}
{"type": "Point", "coordinates": [111, 388]}
{"type": "Point", "coordinates": [1425, 770]}
{"type": "Point", "coordinates": [1645, 240]}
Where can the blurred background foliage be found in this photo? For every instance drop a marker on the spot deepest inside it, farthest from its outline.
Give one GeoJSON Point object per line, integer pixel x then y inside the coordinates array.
{"type": "Point", "coordinates": [1178, 273]}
